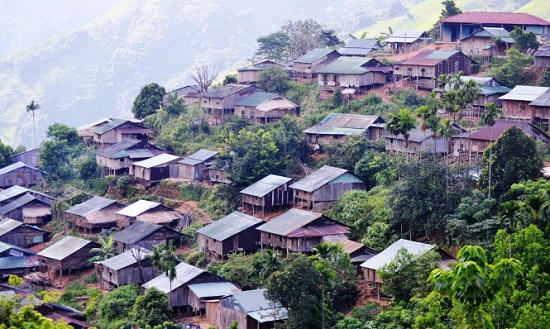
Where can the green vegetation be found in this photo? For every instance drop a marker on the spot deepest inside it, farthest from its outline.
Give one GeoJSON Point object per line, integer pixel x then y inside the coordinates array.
{"type": "Point", "coordinates": [148, 101]}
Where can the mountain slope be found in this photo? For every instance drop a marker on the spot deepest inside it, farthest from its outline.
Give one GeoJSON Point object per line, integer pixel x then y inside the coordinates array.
{"type": "Point", "coordinates": [540, 8]}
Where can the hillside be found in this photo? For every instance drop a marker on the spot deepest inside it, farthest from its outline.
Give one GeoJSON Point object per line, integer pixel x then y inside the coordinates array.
{"type": "Point", "coordinates": [539, 8]}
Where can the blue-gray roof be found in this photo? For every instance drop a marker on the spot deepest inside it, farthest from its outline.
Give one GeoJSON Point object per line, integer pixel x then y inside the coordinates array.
{"type": "Point", "coordinates": [6, 246]}
{"type": "Point", "coordinates": [344, 124]}
{"type": "Point", "coordinates": [318, 178]}
{"type": "Point", "coordinates": [346, 65]}
{"type": "Point", "coordinates": [388, 254]}
{"type": "Point", "coordinates": [493, 32]}
{"type": "Point", "coordinates": [11, 192]}
{"type": "Point", "coordinates": [65, 247]}
{"type": "Point", "coordinates": [20, 202]}
{"type": "Point", "coordinates": [198, 157]}
{"type": "Point", "coordinates": [289, 222]}
{"type": "Point", "coordinates": [127, 258]}
{"type": "Point", "coordinates": [110, 126]}
{"type": "Point", "coordinates": [313, 55]}
{"type": "Point", "coordinates": [213, 289]}
{"type": "Point", "coordinates": [88, 207]}
{"type": "Point", "coordinates": [255, 99]}
{"type": "Point", "coordinates": [228, 226]}
{"type": "Point", "coordinates": [405, 36]}
{"type": "Point", "coordinates": [16, 262]}
{"type": "Point", "coordinates": [136, 232]}
{"type": "Point", "coordinates": [256, 305]}
{"type": "Point", "coordinates": [158, 160]}
{"type": "Point", "coordinates": [118, 150]}
{"type": "Point", "coordinates": [184, 273]}
{"type": "Point", "coordinates": [266, 185]}
{"type": "Point", "coordinates": [15, 166]}
{"type": "Point", "coordinates": [224, 91]}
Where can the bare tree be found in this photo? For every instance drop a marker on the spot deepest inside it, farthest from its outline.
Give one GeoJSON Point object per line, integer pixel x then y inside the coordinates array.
{"type": "Point", "coordinates": [204, 76]}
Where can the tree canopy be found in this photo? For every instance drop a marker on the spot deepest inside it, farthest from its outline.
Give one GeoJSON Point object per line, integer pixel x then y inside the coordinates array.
{"type": "Point", "coordinates": [148, 101]}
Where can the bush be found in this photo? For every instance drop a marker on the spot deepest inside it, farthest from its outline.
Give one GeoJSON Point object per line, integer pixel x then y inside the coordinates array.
{"type": "Point", "coordinates": [196, 258]}
{"type": "Point", "coordinates": [193, 192]}
{"type": "Point", "coordinates": [91, 279]}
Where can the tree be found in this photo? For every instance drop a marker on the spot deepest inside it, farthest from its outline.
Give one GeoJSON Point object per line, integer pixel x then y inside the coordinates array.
{"type": "Point", "coordinates": [116, 307]}
{"type": "Point", "coordinates": [164, 259]}
{"type": "Point", "coordinates": [175, 104]}
{"type": "Point", "coordinates": [105, 251]}
{"type": "Point", "coordinates": [509, 213]}
{"type": "Point", "coordinates": [14, 316]}
{"type": "Point", "coordinates": [204, 76]}
{"type": "Point", "coordinates": [274, 46]}
{"type": "Point", "coordinates": [152, 308]}
{"type": "Point", "coordinates": [524, 41]}
{"type": "Point", "coordinates": [230, 78]}
{"type": "Point", "coordinates": [58, 152]}
{"type": "Point", "coordinates": [32, 107]}
{"type": "Point", "coordinates": [449, 9]}
{"type": "Point", "coordinates": [511, 159]}
{"type": "Point", "coordinates": [273, 80]}
{"type": "Point", "coordinates": [405, 123]}
{"type": "Point", "coordinates": [6, 153]}
{"type": "Point", "coordinates": [513, 71]}
{"type": "Point", "coordinates": [148, 101]}
{"type": "Point", "coordinates": [488, 118]}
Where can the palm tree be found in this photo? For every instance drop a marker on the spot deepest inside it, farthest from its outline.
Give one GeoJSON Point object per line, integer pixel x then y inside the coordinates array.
{"type": "Point", "coordinates": [164, 259]}
{"type": "Point", "coordinates": [405, 123]}
{"type": "Point", "coordinates": [321, 253]}
{"type": "Point", "coordinates": [105, 251]}
{"type": "Point", "coordinates": [446, 131]}
{"type": "Point", "coordinates": [271, 262]}
{"type": "Point", "coordinates": [489, 116]}
{"type": "Point", "coordinates": [509, 213]}
{"type": "Point", "coordinates": [469, 93]}
{"type": "Point", "coordinates": [391, 127]}
{"type": "Point", "coordinates": [33, 107]}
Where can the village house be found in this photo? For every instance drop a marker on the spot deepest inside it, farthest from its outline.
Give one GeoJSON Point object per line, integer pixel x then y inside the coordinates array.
{"type": "Point", "coordinates": [542, 58]}
{"type": "Point", "coordinates": [117, 158]}
{"type": "Point", "coordinates": [188, 95]}
{"type": "Point", "coordinates": [235, 232]}
{"type": "Point", "coordinates": [130, 267]}
{"type": "Point", "coordinates": [191, 287]}
{"type": "Point", "coordinates": [454, 28]}
{"type": "Point", "coordinates": [337, 126]}
{"type": "Point", "coordinates": [216, 172]}
{"type": "Point", "coordinates": [30, 157]}
{"type": "Point", "coordinates": [68, 254]}
{"type": "Point", "coordinates": [358, 252]}
{"type": "Point", "coordinates": [318, 190]}
{"type": "Point", "coordinates": [145, 235]}
{"type": "Point", "coordinates": [192, 167]}
{"type": "Point", "coordinates": [267, 194]}
{"type": "Point", "coordinates": [151, 171]}
{"type": "Point", "coordinates": [304, 67]}
{"type": "Point", "coordinates": [15, 260]}
{"type": "Point", "coordinates": [360, 47]}
{"type": "Point", "coordinates": [86, 132]}
{"type": "Point", "coordinates": [73, 317]}
{"type": "Point", "coordinates": [147, 211]}
{"type": "Point", "coordinates": [487, 42]}
{"type": "Point", "coordinates": [120, 129]}
{"type": "Point", "coordinates": [94, 215]}
{"type": "Point", "coordinates": [406, 41]}
{"type": "Point", "coordinates": [300, 231]}
{"type": "Point", "coordinates": [430, 64]}
{"type": "Point", "coordinates": [517, 103]}
{"type": "Point", "coordinates": [352, 72]}
{"type": "Point", "coordinates": [10, 194]}
{"type": "Point", "coordinates": [21, 235]}
{"type": "Point", "coordinates": [19, 174]}
{"type": "Point", "coordinates": [251, 309]}
{"type": "Point", "coordinates": [480, 140]}
{"type": "Point", "coordinates": [251, 74]}
{"type": "Point", "coordinates": [541, 108]}
{"type": "Point", "coordinates": [220, 102]}
{"type": "Point", "coordinates": [28, 209]}
{"type": "Point", "coordinates": [421, 141]}
{"type": "Point", "coordinates": [261, 107]}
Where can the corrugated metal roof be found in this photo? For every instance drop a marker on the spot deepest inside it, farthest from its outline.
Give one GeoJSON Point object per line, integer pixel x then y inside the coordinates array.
{"type": "Point", "coordinates": [228, 226]}
{"type": "Point", "coordinates": [388, 254]}
{"type": "Point", "coordinates": [542, 100]}
{"type": "Point", "coordinates": [255, 99]}
{"type": "Point", "coordinates": [12, 192]}
{"type": "Point", "coordinates": [487, 17]}
{"type": "Point", "coordinates": [137, 154]}
{"type": "Point", "coordinates": [363, 43]}
{"type": "Point", "coordinates": [158, 160]}
{"type": "Point", "coordinates": [136, 232]}
{"type": "Point", "coordinates": [110, 126]}
{"type": "Point", "coordinates": [493, 32]}
{"type": "Point", "coordinates": [318, 178]}
{"type": "Point", "coordinates": [350, 246]}
{"type": "Point", "coordinates": [348, 51]}
{"type": "Point", "coordinates": [313, 55]}
{"type": "Point", "coordinates": [15, 166]}
{"type": "Point", "coordinates": [289, 222]}
{"type": "Point", "coordinates": [405, 36]}
{"type": "Point", "coordinates": [542, 52]}
{"type": "Point", "coordinates": [260, 66]}
{"type": "Point", "coordinates": [90, 206]}
{"type": "Point", "coordinates": [213, 289]}
{"type": "Point", "coordinates": [278, 102]}
{"type": "Point", "coordinates": [429, 57]}
{"type": "Point", "coordinates": [20, 202]}
{"type": "Point", "coordinates": [198, 157]}
{"type": "Point", "coordinates": [344, 124]}
{"type": "Point", "coordinates": [126, 259]}
{"type": "Point", "coordinates": [484, 133]}
{"type": "Point", "coordinates": [346, 65]}
{"type": "Point", "coordinates": [7, 225]}
{"type": "Point", "coordinates": [114, 150]}
{"type": "Point", "coordinates": [184, 274]}
{"type": "Point", "coordinates": [95, 123]}
{"type": "Point", "coordinates": [491, 90]}
{"type": "Point", "coordinates": [319, 231]}
{"type": "Point", "coordinates": [17, 262]}
{"type": "Point", "coordinates": [524, 93]}
{"type": "Point", "coordinates": [6, 246]}
{"type": "Point", "coordinates": [138, 207]}
{"type": "Point", "coordinates": [265, 185]}
{"type": "Point", "coordinates": [253, 300]}
{"type": "Point", "coordinates": [225, 91]}
{"type": "Point", "coordinates": [64, 248]}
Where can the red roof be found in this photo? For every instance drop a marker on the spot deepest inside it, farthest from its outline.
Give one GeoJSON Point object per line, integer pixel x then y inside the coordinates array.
{"type": "Point", "coordinates": [428, 57]}
{"type": "Point", "coordinates": [484, 133]}
{"type": "Point", "coordinates": [487, 17]}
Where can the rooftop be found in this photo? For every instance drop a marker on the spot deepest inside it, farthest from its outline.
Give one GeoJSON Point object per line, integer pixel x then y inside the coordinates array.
{"type": "Point", "coordinates": [210, 290]}
{"type": "Point", "coordinates": [127, 258]}
{"type": "Point", "coordinates": [318, 178]}
{"type": "Point", "coordinates": [11, 192]}
{"type": "Point", "coordinates": [15, 166]}
{"type": "Point", "coordinates": [111, 125]}
{"type": "Point", "coordinates": [265, 185]}
{"type": "Point", "coordinates": [255, 99]}
{"type": "Point", "coordinates": [96, 203]}
{"type": "Point", "coordinates": [136, 232]}
{"type": "Point", "coordinates": [429, 57]}
{"type": "Point", "coordinates": [542, 52]}
{"type": "Point", "coordinates": [484, 133]}
{"type": "Point", "coordinates": [256, 305]}
{"type": "Point", "coordinates": [138, 208]}
{"type": "Point", "coordinates": [118, 150]}
{"type": "Point", "coordinates": [198, 157]}
{"type": "Point", "coordinates": [344, 124]}
{"type": "Point", "coordinates": [158, 160]}
{"type": "Point", "coordinates": [524, 93]}
{"type": "Point", "coordinates": [405, 36]}
{"type": "Point", "coordinates": [346, 65]}
{"type": "Point", "coordinates": [184, 273]}
{"type": "Point", "coordinates": [7, 225]}
{"type": "Point", "coordinates": [64, 248]}
{"type": "Point", "coordinates": [388, 254]}
{"type": "Point", "coordinates": [493, 32]}
{"type": "Point", "coordinates": [487, 17]}
{"type": "Point", "coordinates": [225, 91]}
{"type": "Point", "coordinates": [289, 221]}
{"type": "Point", "coordinates": [542, 100]}
{"type": "Point", "coordinates": [6, 246]}
{"type": "Point", "coordinates": [20, 202]}
{"type": "Point", "coordinates": [313, 56]}
{"type": "Point", "coordinates": [259, 66]}
{"type": "Point", "coordinates": [228, 226]}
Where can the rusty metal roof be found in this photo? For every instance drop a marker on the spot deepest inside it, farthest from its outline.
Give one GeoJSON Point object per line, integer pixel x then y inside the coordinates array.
{"type": "Point", "coordinates": [484, 133]}
{"type": "Point", "coordinates": [184, 273]}
{"type": "Point", "coordinates": [289, 221]}
{"type": "Point", "coordinates": [388, 254]}
{"type": "Point", "coordinates": [64, 248]}
{"type": "Point", "coordinates": [487, 17]}
{"type": "Point", "coordinates": [127, 258]}
{"type": "Point", "coordinates": [90, 206]}
{"type": "Point", "coordinates": [228, 226]}
{"type": "Point", "coordinates": [318, 178]}
{"type": "Point", "coordinates": [266, 185]}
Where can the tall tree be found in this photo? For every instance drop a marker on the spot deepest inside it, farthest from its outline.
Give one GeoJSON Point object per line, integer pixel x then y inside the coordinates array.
{"type": "Point", "coordinates": [488, 118]}
{"type": "Point", "coordinates": [204, 76]}
{"type": "Point", "coordinates": [274, 46]}
{"type": "Point", "coordinates": [524, 41]}
{"type": "Point", "coordinates": [164, 259]}
{"type": "Point", "coordinates": [273, 80]}
{"type": "Point", "coordinates": [509, 214]}
{"type": "Point", "coordinates": [148, 101]}
{"type": "Point", "coordinates": [449, 9]}
{"type": "Point", "coordinates": [32, 107]}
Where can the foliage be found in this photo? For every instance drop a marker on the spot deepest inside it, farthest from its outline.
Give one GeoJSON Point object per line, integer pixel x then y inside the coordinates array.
{"type": "Point", "coordinates": [405, 276]}
{"type": "Point", "coordinates": [14, 280]}
{"type": "Point", "coordinates": [148, 101]}
{"type": "Point", "coordinates": [58, 152]}
{"type": "Point", "coordinates": [75, 290]}
{"type": "Point", "coordinates": [117, 306]}
{"type": "Point", "coordinates": [350, 323]}
{"type": "Point", "coordinates": [274, 46]}
{"type": "Point", "coordinates": [152, 308]}
{"type": "Point", "coordinates": [175, 104]}
{"type": "Point", "coordinates": [164, 259]}
{"type": "Point", "coordinates": [433, 312]}
{"type": "Point", "coordinates": [13, 316]}
{"type": "Point", "coordinates": [230, 78]}
{"type": "Point", "coordinates": [240, 269]}
{"type": "Point", "coordinates": [348, 152]}
{"type": "Point", "coordinates": [449, 9]}
{"type": "Point", "coordinates": [525, 41]}
{"type": "Point", "coordinates": [6, 153]}
{"type": "Point", "coordinates": [371, 167]}
{"type": "Point", "coordinates": [222, 200]}
{"type": "Point", "coordinates": [366, 312]}
{"type": "Point", "coordinates": [87, 168]}
{"type": "Point", "coordinates": [545, 79]}
{"type": "Point", "coordinates": [512, 72]}
{"type": "Point", "coordinates": [273, 80]}
{"type": "Point", "coordinates": [105, 251]}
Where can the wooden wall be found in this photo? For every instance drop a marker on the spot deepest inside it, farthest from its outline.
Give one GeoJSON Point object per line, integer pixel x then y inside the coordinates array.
{"type": "Point", "coordinates": [24, 176]}
{"type": "Point", "coordinates": [25, 236]}
{"type": "Point", "coordinates": [518, 109]}
{"type": "Point", "coordinates": [128, 275]}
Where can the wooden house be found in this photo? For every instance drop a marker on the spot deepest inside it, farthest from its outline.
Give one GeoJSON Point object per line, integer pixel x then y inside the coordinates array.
{"type": "Point", "coordinates": [191, 287]}
{"type": "Point", "coordinates": [235, 232]}
{"type": "Point", "coordinates": [358, 252]}
{"type": "Point", "coordinates": [352, 72]}
{"type": "Point", "coordinates": [192, 167]}
{"type": "Point", "coordinates": [517, 103]}
{"type": "Point", "coordinates": [220, 102]}
{"type": "Point", "coordinates": [15, 260]}
{"type": "Point", "coordinates": [324, 186]}
{"type": "Point", "coordinates": [300, 231]}
{"type": "Point", "coordinates": [20, 234]}
{"type": "Point", "coordinates": [144, 235]}
{"type": "Point", "coordinates": [303, 68]}
{"type": "Point", "coordinates": [360, 47]}
{"type": "Point", "coordinates": [251, 309]}
{"type": "Point", "coordinates": [130, 267]}
{"type": "Point", "coordinates": [266, 194]}
{"type": "Point", "coordinates": [10, 194]}
{"type": "Point", "coordinates": [541, 108]}
{"type": "Point", "coordinates": [147, 211]}
{"type": "Point", "coordinates": [117, 158]}
{"type": "Point", "coordinates": [19, 174]}
{"type": "Point", "coordinates": [28, 209]}
{"type": "Point", "coordinates": [430, 64]}
{"type": "Point", "coordinates": [487, 42]}
{"type": "Point", "coordinates": [406, 41]}
{"type": "Point", "coordinates": [337, 126]}
{"type": "Point", "coordinates": [188, 95]}
{"type": "Point", "coordinates": [68, 254]}
{"type": "Point", "coordinates": [542, 58]}
{"type": "Point", "coordinates": [30, 157]}
{"type": "Point", "coordinates": [261, 107]}
{"type": "Point", "coordinates": [151, 171]}
{"type": "Point", "coordinates": [480, 140]}
{"type": "Point", "coordinates": [94, 215]}
{"type": "Point", "coordinates": [73, 317]}
{"type": "Point", "coordinates": [120, 129]}
{"type": "Point", "coordinates": [454, 28]}
{"type": "Point", "coordinates": [86, 132]}
{"type": "Point", "coordinates": [251, 74]}
{"type": "Point", "coordinates": [216, 172]}
{"type": "Point", "coordinates": [421, 141]}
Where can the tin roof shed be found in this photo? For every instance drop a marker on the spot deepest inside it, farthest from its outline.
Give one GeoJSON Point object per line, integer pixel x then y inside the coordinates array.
{"type": "Point", "coordinates": [90, 206]}
{"type": "Point", "coordinates": [232, 224]}
{"type": "Point", "coordinates": [184, 273]}
{"type": "Point", "coordinates": [158, 160]}
{"type": "Point", "coordinates": [127, 258]}
{"type": "Point", "coordinates": [289, 221]}
{"type": "Point", "coordinates": [318, 178]}
{"type": "Point", "coordinates": [64, 248]}
{"type": "Point", "coordinates": [265, 185]}
{"type": "Point", "coordinates": [137, 208]}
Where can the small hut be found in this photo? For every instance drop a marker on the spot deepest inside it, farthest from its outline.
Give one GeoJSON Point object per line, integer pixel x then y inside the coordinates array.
{"type": "Point", "coordinates": [15, 260]}
{"type": "Point", "coordinates": [93, 215]}
{"type": "Point", "coordinates": [130, 267]}
{"type": "Point", "coordinates": [147, 211]}
{"type": "Point", "coordinates": [19, 174]}
{"type": "Point", "coordinates": [28, 209]}
{"type": "Point", "coordinates": [192, 166]}
{"type": "Point", "coordinates": [20, 234]}
{"type": "Point", "coordinates": [266, 194]}
{"type": "Point", "coordinates": [144, 235]}
{"type": "Point", "coordinates": [151, 171]}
